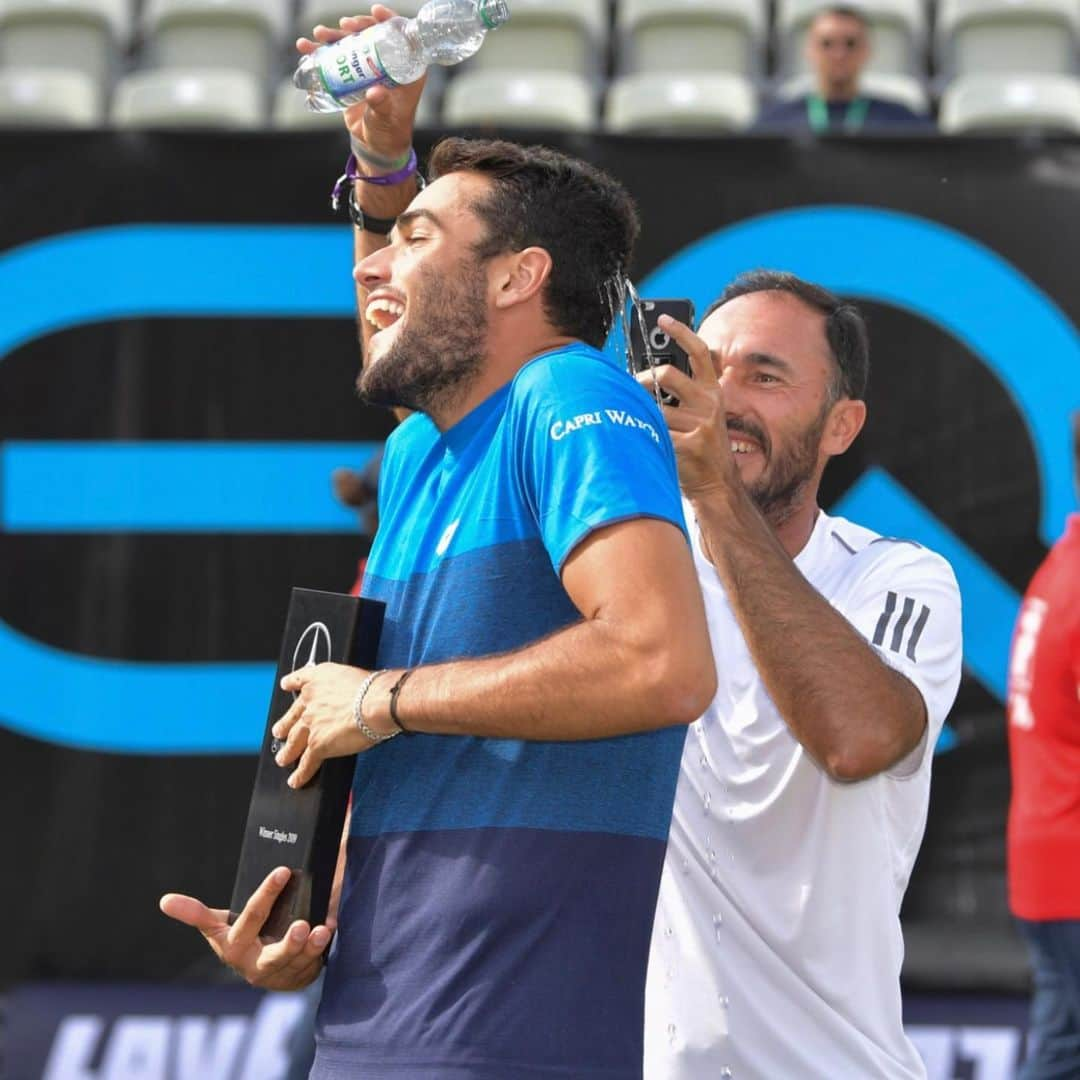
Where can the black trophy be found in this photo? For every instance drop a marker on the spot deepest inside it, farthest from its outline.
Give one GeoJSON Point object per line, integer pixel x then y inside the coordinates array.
{"type": "Point", "coordinates": [302, 829]}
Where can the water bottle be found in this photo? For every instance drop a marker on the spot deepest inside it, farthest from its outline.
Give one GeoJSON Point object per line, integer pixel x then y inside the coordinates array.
{"type": "Point", "coordinates": [397, 51]}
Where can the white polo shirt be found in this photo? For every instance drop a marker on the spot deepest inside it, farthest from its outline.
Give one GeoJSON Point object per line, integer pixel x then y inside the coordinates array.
{"type": "Point", "coordinates": [776, 950]}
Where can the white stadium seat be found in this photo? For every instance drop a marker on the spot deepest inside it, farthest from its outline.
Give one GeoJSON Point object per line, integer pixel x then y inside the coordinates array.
{"type": "Point", "coordinates": [976, 37]}
{"type": "Point", "coordinates": [549, 35]}
{"type": "Point", "coordinates": [903, 89]}
{"type": "Point", "coordinates": [43, 97]}
{"type": "Point", "coordinates": [240, 35]}
{"type": "Point", "coordinates": [695, 103]}
{"type": "Point", "coordinates": [328, 12]}
{"type": "Point", "coordinates": [681, 36]}
{"type": "Point", "coordinates": [88, 34]}
{"type": "Point", "coordinates": [534, 99]}
{"type": "Point", "coordinates": [290, 110]}
{"type": "Point", "coordinates": [1011, 103]}
{"type": "Point", "coordinates": [898, 31]}
{"type": "Point", "coordinates": [196, 98]}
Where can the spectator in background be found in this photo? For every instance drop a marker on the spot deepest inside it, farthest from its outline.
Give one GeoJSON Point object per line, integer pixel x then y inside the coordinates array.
{"type": "Point", "coordinates": [1044, 816]}
{"type": "Point", "coordinates": [838, 49]}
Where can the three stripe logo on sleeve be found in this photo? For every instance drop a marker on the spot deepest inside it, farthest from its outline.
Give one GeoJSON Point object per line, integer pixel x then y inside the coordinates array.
{"type": "Point", "coordinates": [902, 626]}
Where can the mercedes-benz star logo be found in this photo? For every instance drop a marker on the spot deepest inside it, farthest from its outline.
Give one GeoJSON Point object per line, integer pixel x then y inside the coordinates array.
{"type": "Point", "coordinates": [315, 645]}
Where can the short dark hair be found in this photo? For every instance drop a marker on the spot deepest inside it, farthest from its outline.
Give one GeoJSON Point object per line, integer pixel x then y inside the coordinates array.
{"type": "Point", "coordinates": [845, 327]}
{"type": "Point", "coordinates": [845, 11]}
{"type": "Point", "coordinates": [582, 217]}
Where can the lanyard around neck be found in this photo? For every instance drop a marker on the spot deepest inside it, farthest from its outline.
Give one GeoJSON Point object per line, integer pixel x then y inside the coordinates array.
{"type": "Point", "coordinates": [817, 114]}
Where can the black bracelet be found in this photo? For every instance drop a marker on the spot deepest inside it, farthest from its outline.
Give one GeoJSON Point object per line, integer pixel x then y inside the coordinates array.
{"type": "Point", "coordinates": [394, 691]}
{"type": "Point", "coordinates": [367, 222]}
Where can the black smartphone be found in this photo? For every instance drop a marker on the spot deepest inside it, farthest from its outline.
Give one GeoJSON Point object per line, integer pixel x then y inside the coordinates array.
{"type": "Point", "coordinates": [664, 349]}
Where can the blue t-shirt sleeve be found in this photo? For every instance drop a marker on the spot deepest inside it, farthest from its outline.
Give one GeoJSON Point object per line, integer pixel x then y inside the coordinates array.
{"type": "Point", "coordinates": [595, 451]}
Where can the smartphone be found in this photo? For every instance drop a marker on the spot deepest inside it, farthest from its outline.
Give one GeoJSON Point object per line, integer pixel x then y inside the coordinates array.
{"type": "Point", "coordinates": [664, 349]}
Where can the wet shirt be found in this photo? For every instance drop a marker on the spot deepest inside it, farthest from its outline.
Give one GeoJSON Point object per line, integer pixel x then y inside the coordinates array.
{"type": "Point", "coordinates": [499, 894]}
{"type": "Point", "coordinates": [777, 946]}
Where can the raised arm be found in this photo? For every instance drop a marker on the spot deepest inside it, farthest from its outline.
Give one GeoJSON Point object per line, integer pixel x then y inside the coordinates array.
{"type": "Point", "coordinates": [383, 125]}
{"type": "Point", "coordinates": [855, 714]}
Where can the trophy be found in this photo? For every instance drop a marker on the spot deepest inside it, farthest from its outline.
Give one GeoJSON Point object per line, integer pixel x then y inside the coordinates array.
{"type": "Point", "coordinates": [302, 828]}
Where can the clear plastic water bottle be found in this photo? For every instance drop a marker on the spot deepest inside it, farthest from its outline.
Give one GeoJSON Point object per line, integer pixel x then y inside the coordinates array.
{"type": "Point", "coordinates": [397, 51]}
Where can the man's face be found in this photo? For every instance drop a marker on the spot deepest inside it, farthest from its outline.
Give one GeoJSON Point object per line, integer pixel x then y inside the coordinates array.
{"type": "Point", "coordinates": [428, 299]}
{"type": "Point", "coordinates": [837, 48]}
{"type": "Point", "coordinates": [771, 356]}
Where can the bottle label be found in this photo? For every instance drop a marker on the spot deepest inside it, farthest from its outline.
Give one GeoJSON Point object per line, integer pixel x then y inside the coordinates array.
{"type": "Point", "coordinates": [351, 66]}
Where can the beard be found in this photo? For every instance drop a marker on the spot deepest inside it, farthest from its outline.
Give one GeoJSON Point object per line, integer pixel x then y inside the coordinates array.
{"type": "Point", "coordinates": [779, 490]}
{"type": "Point", "coordinates": [440, 347]}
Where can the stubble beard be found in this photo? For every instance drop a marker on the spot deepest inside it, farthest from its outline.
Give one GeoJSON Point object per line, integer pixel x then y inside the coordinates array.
{"type": "Point", "coordinates": [439, 352]}
{"type": "Point", "coordinates": [782, 487]}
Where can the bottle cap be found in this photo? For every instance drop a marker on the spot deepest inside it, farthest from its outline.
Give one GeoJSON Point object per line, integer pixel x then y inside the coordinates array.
{"type": "Point", "coordinates": [493, 13]}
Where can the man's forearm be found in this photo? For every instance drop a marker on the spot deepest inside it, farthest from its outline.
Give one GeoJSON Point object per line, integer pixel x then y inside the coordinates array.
{"type": "Point", "coordinates": [852, 712]}
{"type": "Point", "coordinates": [583, 682]}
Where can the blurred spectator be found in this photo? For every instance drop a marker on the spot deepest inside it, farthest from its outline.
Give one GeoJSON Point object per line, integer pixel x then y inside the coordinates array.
{"type": "Point", "coordinates": [838, 49]}
{"type": "Point", "coordinates": [1044, 817]}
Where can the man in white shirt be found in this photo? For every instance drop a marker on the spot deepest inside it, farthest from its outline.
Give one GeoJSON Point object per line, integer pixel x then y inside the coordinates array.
{"type": "Point", "coordinates": [803, 791]}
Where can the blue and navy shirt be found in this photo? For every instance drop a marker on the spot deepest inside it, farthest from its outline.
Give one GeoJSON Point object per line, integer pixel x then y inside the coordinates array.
{"type": "Point", "coordinates": [499, 894]}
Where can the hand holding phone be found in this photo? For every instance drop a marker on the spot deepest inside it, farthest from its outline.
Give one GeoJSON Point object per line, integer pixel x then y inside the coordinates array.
{"type": "Point", "coordinates": [663, 347]}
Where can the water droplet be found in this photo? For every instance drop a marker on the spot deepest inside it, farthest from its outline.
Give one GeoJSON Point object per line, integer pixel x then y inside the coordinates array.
{"type": "Point", "coordinates": [668, 931]}
{"type": "Point", "coordinates": [726, 1072]}
{"type": "Point", "coordinates": [704, 762]}
{"type": "Point", "coordinates": [669, 975]}
{"type": "Point", "coordinates": [714, 873]}
{"type": "Point", "coordinates": [708, 802]}
{"type": "Point", "coordinates": [725, 1001]}
{"type": "Point", "coordinates": [671, 1035]}
{"type": "Point", "coordinates": [718, 922]}
{"type": "Point", "coordinates": [686, 866]}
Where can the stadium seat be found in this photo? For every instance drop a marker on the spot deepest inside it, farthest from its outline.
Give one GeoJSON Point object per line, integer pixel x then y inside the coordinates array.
{"type": "Point", "coordinates": [534, 99]}
{"type": "Point", "coordinates": [698, 102]}
{"type": "Point", "coordinates": [900, 88]}
{"type": "Point", "coordinates": [237, 35]}
{"type": "Point", "coordinates": [898, 29]}
{"type": "Point", "coordinates": [290, 110]}
{"type": "Point", "coordinates": [177, 98]}
{"type": "Point", "coordinates": [328, 12]}
{"type": "Point", "coordinates": [88, 34]}
{"type": "Point", "coordinates": [682, 36]}
{"type": "Point", "coordinates": [1011, 103]}
{"type": "Point", "coordinates": [43, 97]}
{"type": "Point", "coordinates": [980, 37]}
{"type": "Point", "coordinates": [549, 35]}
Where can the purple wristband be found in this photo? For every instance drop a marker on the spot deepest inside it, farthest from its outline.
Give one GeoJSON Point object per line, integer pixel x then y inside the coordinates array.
{"type": "Point", "coordinates": [353, 173]}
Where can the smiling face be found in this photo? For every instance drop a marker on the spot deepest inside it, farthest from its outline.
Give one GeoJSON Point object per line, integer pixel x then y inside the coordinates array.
{"type": "Point", "coordinates": [428, 300]}
{"type": "Point", "coordinates": [774, 363]}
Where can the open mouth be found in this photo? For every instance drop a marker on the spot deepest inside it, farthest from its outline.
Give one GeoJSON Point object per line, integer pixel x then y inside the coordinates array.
{"type": "Point", "coordinates": [383, 311]}
{"type": "Point", "coordinates": [738, 446]}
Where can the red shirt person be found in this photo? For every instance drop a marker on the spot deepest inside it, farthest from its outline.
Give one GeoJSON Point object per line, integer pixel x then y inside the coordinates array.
{"type": "Point", "coordinates": [1044, 815]}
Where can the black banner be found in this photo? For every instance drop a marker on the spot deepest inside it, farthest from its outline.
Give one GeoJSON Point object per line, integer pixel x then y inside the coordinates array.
{"type": "Point", "coordinates": [102, 1032]}
{"type": "Point", "coordinates": [177, 356]}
